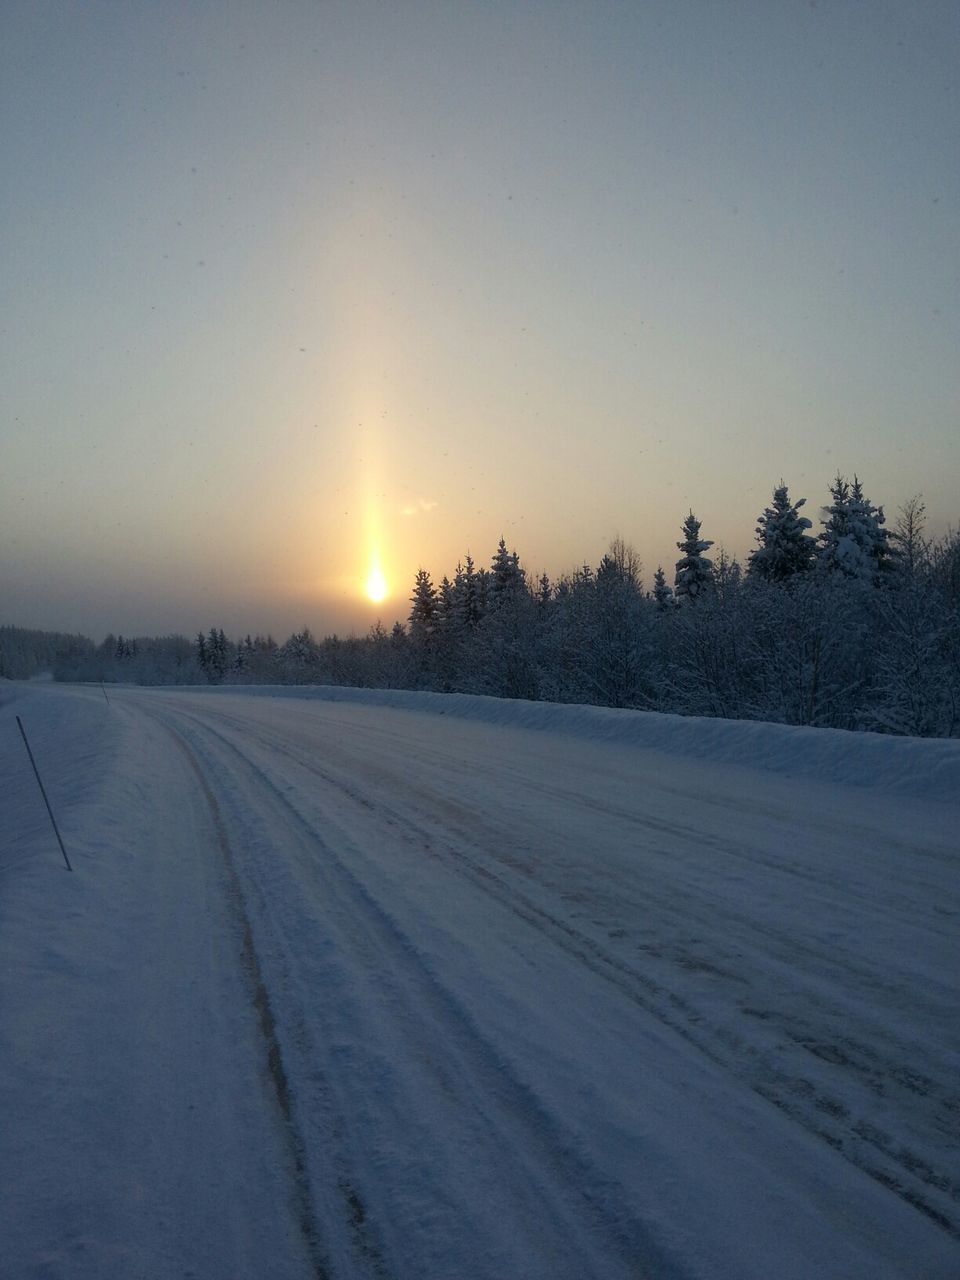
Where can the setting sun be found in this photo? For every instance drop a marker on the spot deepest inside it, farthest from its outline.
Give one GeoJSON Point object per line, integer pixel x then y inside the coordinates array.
{"type": "Point", "coordinates": [376, 583]}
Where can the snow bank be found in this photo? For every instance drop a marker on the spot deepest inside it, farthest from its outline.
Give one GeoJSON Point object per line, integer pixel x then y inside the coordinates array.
{"type": "Point", "coordinates": [927, 768]}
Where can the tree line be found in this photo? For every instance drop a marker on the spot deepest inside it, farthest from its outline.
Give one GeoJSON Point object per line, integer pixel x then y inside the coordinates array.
{"type": "Point", "coordinates": [854, 627]}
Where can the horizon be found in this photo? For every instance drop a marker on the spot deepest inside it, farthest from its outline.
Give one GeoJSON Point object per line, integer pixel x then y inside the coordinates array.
{"type": "Point", "coordinates": [308, 296]}
{"type": "Point", "coordinates": [362, 627]}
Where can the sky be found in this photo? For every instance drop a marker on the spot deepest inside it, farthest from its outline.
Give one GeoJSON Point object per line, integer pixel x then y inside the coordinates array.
{"type": "Point", "coordinates": [298, 290]}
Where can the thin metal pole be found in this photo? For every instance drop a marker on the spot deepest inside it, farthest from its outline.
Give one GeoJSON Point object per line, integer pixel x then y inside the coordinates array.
{"type": "Point", "coordinates": [36, 771]}
{"type": "Point", "coordinates": [104, 693]}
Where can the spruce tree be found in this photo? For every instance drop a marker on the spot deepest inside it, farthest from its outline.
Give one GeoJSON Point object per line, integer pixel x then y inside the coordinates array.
{"type": "Point", "coordinates": [853, 541]}
{"type": "Point", "coordinates": [694, 571]}
{"type": "Point", "coordinates": [483, 590]}
{"type": "Point", "coordinates": [423, 615]}
{"type": "Point", "coordinates": [506, 572]}
{"type": "Point", "coordinates": [446, 600]}
{"type": "Point", "coordinates": [866, 526]}
{"type": "Point", "coordinates": [468, 597]}
{"type": "Point", "coordinates": [785, 548]}
{"type": "Point", "coordinates": [662, 592]}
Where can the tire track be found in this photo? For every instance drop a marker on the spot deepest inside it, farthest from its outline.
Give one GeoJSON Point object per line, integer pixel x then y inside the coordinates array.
{"type": "Point", "coordinates": [470, 1068]}
{"type": "Point", "coordinates": [820, 1114]}
{"type": "Point", "coordinates": [276, 1069]}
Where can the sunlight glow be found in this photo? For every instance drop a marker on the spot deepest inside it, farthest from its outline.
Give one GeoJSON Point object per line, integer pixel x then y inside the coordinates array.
{"type": "Point", "coordinates": [376, 582]}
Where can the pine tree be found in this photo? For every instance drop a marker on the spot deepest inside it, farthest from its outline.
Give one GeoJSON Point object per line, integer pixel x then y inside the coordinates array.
{"type": "Point", "coordinates": [727, 574]}
{"type": "Point", "coordinates": [423, 615]}
{"type": "Point", "coordinates": [618, 650]}
{"type": "Point", "coordinates": [506, 572]}
{"type": "Point", "coordinates": [662, 592]}
{"type": "Point", "coordinates": [471, 608]}
{"type": "Point", "coordinates": [835, 519]}
{"type": "Point", "coordinates": [853, 541]}
{"type": "Point", "coordinates": [446, 600]}
{"type": "Point", "coordinates": [483, 590]}
{"type": "Point", "coordinates": [867, 523]}
{"type": "Point", "coordinates": [785, 548]}
{"type": "Point", "coordinates": [300, 656]}
{"type": "Point", "coordinates": [694, 571]}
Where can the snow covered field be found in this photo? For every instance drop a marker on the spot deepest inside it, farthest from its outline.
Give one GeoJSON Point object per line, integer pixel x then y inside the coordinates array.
{"type": "Point", "coordinates": [352, 984]}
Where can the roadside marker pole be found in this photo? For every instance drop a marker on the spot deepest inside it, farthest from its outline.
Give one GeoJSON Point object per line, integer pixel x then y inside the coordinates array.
{"type": "Point", "coordinates": [23, 734]}
{"type": "Point", "coordinates": [104, 693]}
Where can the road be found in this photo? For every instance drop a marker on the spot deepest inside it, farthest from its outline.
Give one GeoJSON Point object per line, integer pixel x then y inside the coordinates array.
{"type": "Point", "coordinates": [350, 990]}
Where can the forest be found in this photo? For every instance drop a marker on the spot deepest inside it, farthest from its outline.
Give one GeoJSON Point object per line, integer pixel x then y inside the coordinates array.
{"type": "Point", "coordinates": [854, 627]}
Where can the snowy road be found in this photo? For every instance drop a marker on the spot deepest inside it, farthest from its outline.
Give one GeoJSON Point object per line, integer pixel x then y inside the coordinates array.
{"type": "Point", "coordinates": [348, 990]}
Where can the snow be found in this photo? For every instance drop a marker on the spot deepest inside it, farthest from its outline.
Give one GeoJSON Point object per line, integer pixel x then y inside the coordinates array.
{"type": "Point", "coordinates": [919, 767]}
{"type": "Point", "coordinates": [364, 983]}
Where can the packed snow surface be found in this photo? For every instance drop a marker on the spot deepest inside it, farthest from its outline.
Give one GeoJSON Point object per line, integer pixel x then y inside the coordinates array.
{"type": "Point", "coordinates": [355, 984]}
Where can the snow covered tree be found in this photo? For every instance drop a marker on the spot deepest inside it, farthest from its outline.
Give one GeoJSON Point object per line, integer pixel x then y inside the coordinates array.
{"type": "Point", "coordinates": [216, 655]}
{"type": "Point", "coordinates": [912, 682]}
{"type": "Point", "coordinates": [785, 548]}
{"type": "Point", "coordinates": [483, 590]}
{"type": "Point", "coordinates": [910, 549]}
{"type": "Point", "coordinates": [299, 658]}
{"type": "Point", "coordinates": [727, 574]}
{"type": "Point", "coordinates": [694, 571]}
{"type": "Point", "coordinates": [853, 541]}
{"type": "Point", "coordinates": [662, 591]}
{"type": "Point", "coordinates": [506, 573]}
{"type": "Point", "coordinates": [619, 648]}
{"type": "Point", "coordinates": [468, 593]}
{"type": "Point", "coordinates": [446, 600]}
{"type": "Point", "coordinates": [916, 634]}
{"type": "Point", "coordinates": [502, 656]}
{"type": "Point", "coordinates": [423, 615]}
{"type": "Point", "coordinates": [620, 566]}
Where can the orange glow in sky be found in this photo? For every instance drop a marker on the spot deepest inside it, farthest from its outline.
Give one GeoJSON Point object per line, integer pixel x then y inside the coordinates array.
{"type": "Point", "coordinates": [377, 587]}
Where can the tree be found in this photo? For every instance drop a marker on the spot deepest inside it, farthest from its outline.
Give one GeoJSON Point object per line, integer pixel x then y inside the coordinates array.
{"type": "Point", "coordinates": [853, 541]}
{"type": "Point", "coordinates": [911, 550]}
{"type": "Point", "coordinates": [483, 590]}
{"type": "Point", "coordinates": [506, 574]}
{"type": "Point", "coordinates": [423, 615]}
{"type": "Point", "coordinates": [216, 655]}
{"type": "Point", "coordinates": [468, 595]}
{"type": "Point", "coordinates": [446, 601]}
{"type": "Point", "coordinates": [620, 565]}
{"type": "Point", "coordinates": [619, 642]}
{"type": "Point", "coordinates": [662, 591]}
{"type": "Point", "coordinates": [694, 572]}
{"type": "Point", "coordinates": [300, 656]}
{"type": "Point", "coordinates": [784, 546]}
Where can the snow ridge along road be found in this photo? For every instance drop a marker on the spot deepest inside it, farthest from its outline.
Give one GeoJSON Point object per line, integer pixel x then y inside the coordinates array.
{"type": "Point", "coordinates": [346, 990]}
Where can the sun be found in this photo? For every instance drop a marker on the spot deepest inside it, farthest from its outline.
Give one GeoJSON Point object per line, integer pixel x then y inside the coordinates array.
{"type": "Point", "coordinates": [376, 583]}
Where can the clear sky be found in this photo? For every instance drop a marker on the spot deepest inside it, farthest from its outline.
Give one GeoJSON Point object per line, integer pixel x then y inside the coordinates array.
{"type": "Point", "coordinates": [289, 285]}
